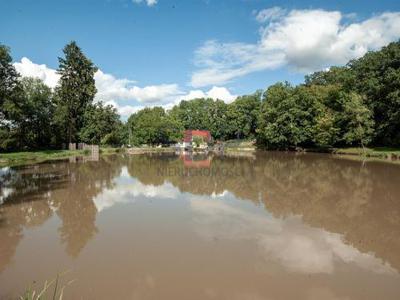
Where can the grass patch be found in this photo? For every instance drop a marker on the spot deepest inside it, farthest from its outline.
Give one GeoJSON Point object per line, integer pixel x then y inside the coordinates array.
{"type": "Point", "coordinates": [27, 157]}
{"type": "Point", "coordinates": [111, 150]}
{"type": "Point", "coordinates": [17, 158]}
{"type": "Point", "coordinates": [386, 150]}
{"type": "Point", "coordinates": [237, 145]}
{"type": "Point", "coordinates": [142, 150]}
{"type": "Point", "coordinates": [378, 152]}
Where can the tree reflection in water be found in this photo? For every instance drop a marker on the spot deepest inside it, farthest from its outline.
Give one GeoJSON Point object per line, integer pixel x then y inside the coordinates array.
{"type": "Point", "coordinates": [35, 192]}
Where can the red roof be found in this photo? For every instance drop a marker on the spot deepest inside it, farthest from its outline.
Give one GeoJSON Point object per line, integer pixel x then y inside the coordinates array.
{"type": "Point", "coordinates": [189, 134]}
{"type": "Point", "coordinates": [190, 163]}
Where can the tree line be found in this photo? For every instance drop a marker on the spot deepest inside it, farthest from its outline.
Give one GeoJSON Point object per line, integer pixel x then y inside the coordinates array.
{"type": "Point", "coordinates": [354, 105]}
{"type": "Point", "coordinates": [34, 116]}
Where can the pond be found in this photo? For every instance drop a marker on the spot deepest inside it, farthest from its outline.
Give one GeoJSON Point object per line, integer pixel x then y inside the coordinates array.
{"type": "Point", "coordinates": [260, 226]}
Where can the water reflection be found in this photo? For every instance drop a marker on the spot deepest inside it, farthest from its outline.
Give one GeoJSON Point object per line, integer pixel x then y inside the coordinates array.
{"type": "Point", "coordinates": [293, 214]}
{"type": "Point", "coordinates": [295, 245]}
{"type": "Point", "coordinates": [32, 194]}
{"type": "Point", "coordinates": [338, 195]}
{"type": "Point", "coordinates": [196, 160]}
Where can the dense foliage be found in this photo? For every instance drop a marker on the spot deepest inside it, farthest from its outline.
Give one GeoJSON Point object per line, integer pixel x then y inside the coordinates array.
{"type": "Point", "coordinates": [313, 116]}
{"type": "Point", "coordinates": [153, 126]}
{"type": "Point", "coordinates": [33, 116]}
{"type": "Point", "coordinates": [353, 105]}
{"type": "Point", "coordinates": [101, 125]}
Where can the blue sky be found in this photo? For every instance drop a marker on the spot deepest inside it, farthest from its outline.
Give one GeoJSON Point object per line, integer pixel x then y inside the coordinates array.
{"type": "Point", "coordinates": [157, 52]}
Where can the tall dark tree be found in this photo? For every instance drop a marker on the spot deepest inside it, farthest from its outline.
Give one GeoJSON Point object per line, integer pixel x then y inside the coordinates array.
{"type": "Point", "coordinates": [8, 77]}
{"type": "Point", "coordinates": [76, 89]}
{"type": "Point", "coordinates": [10, 101]}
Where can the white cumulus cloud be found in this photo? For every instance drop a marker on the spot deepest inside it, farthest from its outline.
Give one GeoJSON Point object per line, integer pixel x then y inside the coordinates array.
{"type": "Point", "coordinates": [110, 88]}
{"type": "Point", "coordinates": [303, 40]}
{"type": "Point", "coordinates": [29, 69]}
{"type": "Point", "coordinates": [123, 93]}
{"type": "Point", "coordinates": [124, 110]}
{"type": "Point", "coordinates": [215, 93]}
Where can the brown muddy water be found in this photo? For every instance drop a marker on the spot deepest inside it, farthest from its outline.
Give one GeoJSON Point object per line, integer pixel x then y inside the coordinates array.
{"type": "Point", "coordinates": [266, 226]}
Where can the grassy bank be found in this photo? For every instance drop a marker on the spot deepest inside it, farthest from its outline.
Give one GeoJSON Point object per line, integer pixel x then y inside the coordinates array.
{"type": "Point", "coordinates": [382, 153]}
{"type": "Point", "coordinates": [239, 145]}
{"type": "Point", "coordinates": [142, 150]}
{"type": "Point", "coordinates": [28, 157]}
{"type": "Point", "coordinates": [19, 158]}
{"type": "Point", "coordinates": [111, 150]}
{"type": "Point", "coordinates": [379, 152]}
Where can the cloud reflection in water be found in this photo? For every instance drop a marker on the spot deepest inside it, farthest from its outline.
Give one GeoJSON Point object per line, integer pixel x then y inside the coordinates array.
{"type": "Point", "coordinates": [295, 245]}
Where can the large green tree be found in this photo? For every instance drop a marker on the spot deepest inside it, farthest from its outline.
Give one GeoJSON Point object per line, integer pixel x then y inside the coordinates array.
{"type": "Point", "coordinates": [193, 114]}
{"type": "Point", "coordinates": [29, 123]}
{"type": "Point", "coordinates": [36, 127]}
{"type": "Point", "coordinates": [76, 90]}
{"type": "Point", "coordinates": [288, 116]}
{"type": "Point", "coordinates": [204, 114]}
{"type": "Point", "coordinates": [101, 125]}
{"type": "Point", "coordinates": [378, 79]}
{"type": "Point", "coordinates": [153, 126]}
{"type": "Point", "coordinates": [218, 120]}
{"type": "Point", "coordinates": [355, 120]}
{"type": "Point", "coordinates": [243, 115]}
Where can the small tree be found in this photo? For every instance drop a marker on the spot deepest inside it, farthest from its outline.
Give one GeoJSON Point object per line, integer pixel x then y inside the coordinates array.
{"type": "Point", "coordinates": [198, 140]}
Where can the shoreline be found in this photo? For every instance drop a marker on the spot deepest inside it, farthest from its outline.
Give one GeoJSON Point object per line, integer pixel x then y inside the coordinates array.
{"type": "Point", "coordinates": [378, 153]}
{"type": "Point", "coordinates": [382, 154]}
{"type": "Point", "coordinates": [139, 150]}
{"type": "Point", "coordinates": [12, 159]}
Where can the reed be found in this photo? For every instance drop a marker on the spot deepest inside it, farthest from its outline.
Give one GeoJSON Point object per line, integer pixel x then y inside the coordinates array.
{"type": "Point", "coordinates": [51, 290]}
